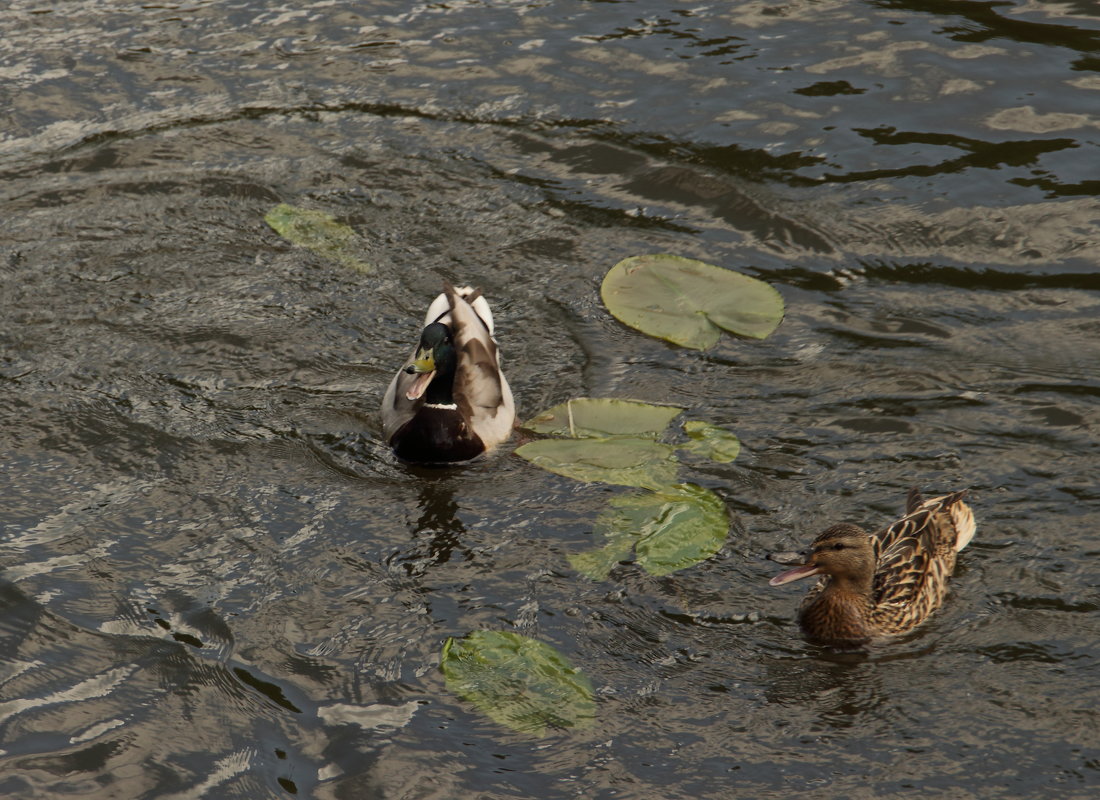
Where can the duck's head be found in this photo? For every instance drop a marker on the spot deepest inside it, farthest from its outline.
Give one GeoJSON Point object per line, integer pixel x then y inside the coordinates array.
{"type": "Point", "coordinates": [843, 551]}
{"type": "Point", "coordinates": [435, 355]}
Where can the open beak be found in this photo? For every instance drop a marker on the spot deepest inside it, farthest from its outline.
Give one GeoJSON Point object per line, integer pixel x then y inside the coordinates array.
{"type": "Point", "coordinates": [799, 572]}
{"type": "Point", "coordinates": [423, 366]}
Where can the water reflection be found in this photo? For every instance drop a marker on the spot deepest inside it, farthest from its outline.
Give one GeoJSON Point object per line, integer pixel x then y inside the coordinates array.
{"type": "Point", "coordinates": [438, 530]}
{"type": "Point", "coordinates": [837, 695]}
{"type": "Point", "coordinates": [84, 704]}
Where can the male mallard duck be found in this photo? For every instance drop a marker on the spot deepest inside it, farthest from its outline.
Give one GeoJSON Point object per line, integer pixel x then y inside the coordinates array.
{"type": "Point", "coordinates": [450, 402]}
{"type": "Point", "coordinates": [886, 583]}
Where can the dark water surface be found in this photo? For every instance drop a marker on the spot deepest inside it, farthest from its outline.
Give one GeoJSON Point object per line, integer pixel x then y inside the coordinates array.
{"type": "Point", "coordinates": [216, 582]}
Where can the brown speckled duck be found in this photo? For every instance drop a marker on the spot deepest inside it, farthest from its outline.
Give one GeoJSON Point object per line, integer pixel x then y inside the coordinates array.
{"type": "Point", "coordinates": [883, 584]}
{"type": "Point", "coordinates": [450, 401]}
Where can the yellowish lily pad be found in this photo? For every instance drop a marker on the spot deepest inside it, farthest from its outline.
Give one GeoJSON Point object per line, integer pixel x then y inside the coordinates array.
{"type": "Point", "coordinates": [620, 460]}
{"type": "Point", "coordinates": [710, 441]}
{"type": "Point", "coordinates": [319, 232]}
{"type": "Point", "coordinates": [603, 416]}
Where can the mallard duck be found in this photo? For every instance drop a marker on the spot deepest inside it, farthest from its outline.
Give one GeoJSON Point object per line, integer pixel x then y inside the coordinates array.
{"type": "Point", "coordinates": [882, 584]}
{"type": "Point", "coordinates": [450, 402]}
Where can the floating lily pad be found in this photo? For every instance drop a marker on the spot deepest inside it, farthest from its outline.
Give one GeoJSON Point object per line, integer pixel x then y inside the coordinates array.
{"type": "Point", "coordinates": [621, 460]}
{"type": "Point", "coordinates": [317, 231]}
{"type": "Point", "coordinates": [690, 527]}
{"type": "Point", "coordinates": [689, 302]}
{"type": "Point", "coordinates": [601, 416]}
{"type": "Point", "coordinates": [518, 681]}
{"type": "Point", "coordinates": [710, 441]}
{"type": "Point", "coordinates": [669, 529]}
{"type": "Point", "coordinates": [598, 563]}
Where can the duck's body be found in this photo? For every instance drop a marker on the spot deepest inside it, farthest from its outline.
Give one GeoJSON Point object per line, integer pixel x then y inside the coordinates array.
{"type": "Point", "coordinates": [886, 583]}
{"type": "Point", "coordinates": [450, 402]}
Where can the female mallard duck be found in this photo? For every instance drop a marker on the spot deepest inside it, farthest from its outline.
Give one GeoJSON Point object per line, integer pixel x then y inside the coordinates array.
{"type": "Point", "coordinates": [886, 583]}
{"type": "Point", "coordinates": [450, 402]}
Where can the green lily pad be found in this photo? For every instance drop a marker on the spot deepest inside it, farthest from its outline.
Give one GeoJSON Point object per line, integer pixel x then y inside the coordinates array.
{"type": "Point", "coordinates": [690, 527]}
{"type": "Point", "coordinates": [317, 231]}
{"type": "Point", "coordinates": [519, 682]}
{"type": "Point", "coordinates": [689, 302]}
{"type": "Point", "coordinates": [598, 562]}
{"type": "Point", "coordinates": [601, 416]}
{"type": "Point", "coordinates": [670, 529]}
{"type": "Point", "coordinates": [620, 460]}
{"type": "Point", "coordinates": [710, 441]}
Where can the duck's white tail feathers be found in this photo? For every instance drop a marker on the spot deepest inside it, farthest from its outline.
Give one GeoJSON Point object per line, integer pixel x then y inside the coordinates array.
{"type": "Point", "coordinates": [958, 512]}
{"type": "Point", "coordinates": [480, 307]}
{"type": "Point", "coordinates": [963, 519]}
{"type": "Point", "coordinates": [438, 311]}
{"type": "Point", "coordinates": [441, 309]}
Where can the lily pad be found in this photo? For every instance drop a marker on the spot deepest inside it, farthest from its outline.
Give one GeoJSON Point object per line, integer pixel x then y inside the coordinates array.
{"type": "Point", "coordinates": [689, 302]}
{"type": "Point", "coordinates": [317, 231]}
{"type": "Point", "coordinates": [620, 460]}
{"type": "Point", "coordinates": [690, 527]}
{"type": "Point", "coordinates": [601, 416]}
{"type": "Point", "coordinates": [598, 563]}
{"type": "Point", "coordinates": [710, 441]}
{"type": "Point", "coordinates": [669, 529]}
{"type": "Point", "coordinates": [519, 682]}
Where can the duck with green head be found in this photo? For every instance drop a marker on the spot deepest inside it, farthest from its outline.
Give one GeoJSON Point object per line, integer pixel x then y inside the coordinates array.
{"type": "Point", "coordinates": [450, 402]}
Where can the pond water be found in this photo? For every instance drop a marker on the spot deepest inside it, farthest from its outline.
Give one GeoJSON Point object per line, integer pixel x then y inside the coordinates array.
{"type": "Point", "coordinates": [216, 580]}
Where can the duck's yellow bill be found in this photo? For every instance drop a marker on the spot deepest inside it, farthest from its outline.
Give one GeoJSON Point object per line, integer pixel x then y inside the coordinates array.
{"type": "Point", "coordinates": [423, 366]}
{"type": "Point", "coordinates": [424, 362]}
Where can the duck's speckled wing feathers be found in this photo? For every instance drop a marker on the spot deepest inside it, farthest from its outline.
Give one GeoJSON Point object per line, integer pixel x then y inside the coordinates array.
{"type": "Point", "coordinates": [916, 556]}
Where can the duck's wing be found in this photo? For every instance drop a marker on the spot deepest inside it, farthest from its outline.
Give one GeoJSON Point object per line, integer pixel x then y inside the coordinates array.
{"type": "Point", "coordinates": [480, 389]}
{"type": "Point", "coordinates": [903, 566]}
{"type": "Point", "coordinates": [397, 408]}
{"type": "Point", "coordinates": [916, 555]}
{"type": "Point", "coordinates": [948, 520]}
{"type": "Point", "coordinates": [962, 524]}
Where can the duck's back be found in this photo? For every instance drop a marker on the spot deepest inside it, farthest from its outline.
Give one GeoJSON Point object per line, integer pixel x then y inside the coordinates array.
{"type": "Point", "coordinates": [916, 556]}
{"type": "Point", "coordinates": [480, 387]}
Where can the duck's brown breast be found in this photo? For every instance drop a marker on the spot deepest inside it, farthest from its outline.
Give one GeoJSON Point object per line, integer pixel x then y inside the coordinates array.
{"type": "Point", "coordinates": [837, 618]}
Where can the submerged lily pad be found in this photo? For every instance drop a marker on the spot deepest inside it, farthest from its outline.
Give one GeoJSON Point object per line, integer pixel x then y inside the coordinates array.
{"type": "Point", "coordinates": [317, 231]}
{"type": "Point", "coordinates": [621, 460]}
{"type": "Point", "coordinates": [710, 441]}
{"type": "Point", "coordinates": [689, 302]}
{"type": "Point", "coordinates": [669, 529]}
{"type": "Point", "coordinates": [602, 416]}
{"type": "Point", "coordinates": [519, 682]}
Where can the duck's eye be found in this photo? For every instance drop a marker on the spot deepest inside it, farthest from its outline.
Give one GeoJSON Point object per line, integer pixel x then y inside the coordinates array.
{"type": "Point", "coordinates": [838, 546]}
